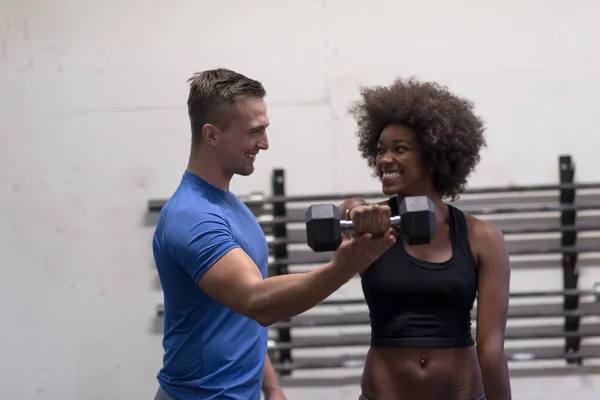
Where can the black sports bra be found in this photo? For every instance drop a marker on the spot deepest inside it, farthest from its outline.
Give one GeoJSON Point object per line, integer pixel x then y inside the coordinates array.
{"type": "Point", "coordinates": [418, 303]}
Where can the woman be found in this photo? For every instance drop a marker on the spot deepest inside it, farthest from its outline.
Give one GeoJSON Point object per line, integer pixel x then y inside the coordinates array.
{"type": "Point", "coordinates": [422, 140]}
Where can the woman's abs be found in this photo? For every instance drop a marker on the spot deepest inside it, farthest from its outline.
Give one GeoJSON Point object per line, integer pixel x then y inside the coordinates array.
{"type": "Point", "coordinates": [422, 373]}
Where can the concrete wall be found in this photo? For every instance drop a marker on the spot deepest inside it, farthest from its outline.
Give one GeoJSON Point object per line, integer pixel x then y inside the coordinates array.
{"type": "Point", "coordinates": [93, 124]}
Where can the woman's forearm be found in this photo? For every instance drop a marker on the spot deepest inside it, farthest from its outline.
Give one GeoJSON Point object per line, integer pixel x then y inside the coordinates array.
{"type": "Point", "coordinates": [495, 375]}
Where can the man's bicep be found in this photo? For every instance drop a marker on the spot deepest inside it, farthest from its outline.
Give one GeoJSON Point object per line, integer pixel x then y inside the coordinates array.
{"type": "Point", "coordinates": [199, 246]}
{"type": "Point", "coordinates": [231, 279]}
{"type": "Point", "coordinates": [216, 262]}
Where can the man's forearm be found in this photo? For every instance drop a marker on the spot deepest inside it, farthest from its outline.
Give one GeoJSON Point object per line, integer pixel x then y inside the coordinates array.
{"type": "Point", "coordinates": [270, 379]}
{"type": "Point", "coordinates": [284, 296]}
{"type": "Point", "coordinates": [496, 379]}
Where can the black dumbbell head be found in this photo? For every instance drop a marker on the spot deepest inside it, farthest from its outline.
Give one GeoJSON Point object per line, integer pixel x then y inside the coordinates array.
{"type": "Point", "coordinates": [417, 223]}
{"type": "Point", "coordinates": [323, 230]}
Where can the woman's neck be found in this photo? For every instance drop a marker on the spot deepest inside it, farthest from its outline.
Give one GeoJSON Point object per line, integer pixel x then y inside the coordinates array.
{"type": "Point", "coordinates": [440, 207]}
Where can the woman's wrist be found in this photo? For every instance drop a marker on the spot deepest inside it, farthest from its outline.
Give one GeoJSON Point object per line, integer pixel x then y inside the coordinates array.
{"type": "Point", "coordinates": [352, 205]}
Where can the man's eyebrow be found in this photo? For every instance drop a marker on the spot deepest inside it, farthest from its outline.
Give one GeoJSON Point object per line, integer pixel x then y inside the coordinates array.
{"type": "Point", "coordinates": [261, 126]}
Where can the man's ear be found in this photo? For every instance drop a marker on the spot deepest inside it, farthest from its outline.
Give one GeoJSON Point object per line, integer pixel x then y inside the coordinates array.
{"type": "Point", "coordinates": [209, 134]}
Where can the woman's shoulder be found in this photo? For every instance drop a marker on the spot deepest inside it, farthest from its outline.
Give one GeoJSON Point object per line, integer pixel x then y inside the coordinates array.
{"type": "Point", "coordinates": [482, 233]}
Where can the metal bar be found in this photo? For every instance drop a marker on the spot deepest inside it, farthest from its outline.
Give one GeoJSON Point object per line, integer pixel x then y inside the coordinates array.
{"type": "Point", "coordinates": [280, 252]}
{"type": "Point", "coordinates": [565, 292]}
{"type": "Point", "coordinates": [543, 293]}
{"type": "Point", "coordinates": [267, 221]}
{"type": "Point", "coordinates": [552, 229]}
{"type": "Point", "coordinates": [260, 199]}
{"type": "Point", "coordinates": [569, 258]}
{"type": "Point", "coordinates": [251, 200]}
{"type": "Point", "coordinates": [483, 190]}
{"type": "Point", "coordinates": [348, 225]}
{"type": "Point", "coordinates": [533, 251]}
{"type": "Point", "coordinates": [363, 339]}
{"type": "Point", "coordinates": [546, 208]}
{"type": "Point", "coordinates": [514, 355]}
{"type": "Point", "coordinates": [353, 318]}
{"type": "Point", "coordinates": [595, 291]}
{"type": "Point", "coordinates": [507, 231]}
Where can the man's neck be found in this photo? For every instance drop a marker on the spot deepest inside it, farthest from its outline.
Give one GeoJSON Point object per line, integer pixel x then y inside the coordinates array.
{"type": "Point", "coordinates": [208, 169]}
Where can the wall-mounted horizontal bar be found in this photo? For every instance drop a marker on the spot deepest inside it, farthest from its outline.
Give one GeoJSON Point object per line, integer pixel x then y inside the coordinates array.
{"type": "Point", "coordinates": [363, 339]}
{"type": "Point", "coordinates": [513, 355]}
{"type": "Point", "coordinates": [260, 198]}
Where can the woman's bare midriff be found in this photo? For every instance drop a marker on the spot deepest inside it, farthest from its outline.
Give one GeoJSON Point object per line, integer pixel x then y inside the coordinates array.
{"type": "Point", "coordinates": [398, 374]}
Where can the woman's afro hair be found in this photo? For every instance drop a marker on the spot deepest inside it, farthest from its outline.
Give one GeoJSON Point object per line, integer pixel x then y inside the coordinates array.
{"type": "Point", "coordinates": [449, 133]}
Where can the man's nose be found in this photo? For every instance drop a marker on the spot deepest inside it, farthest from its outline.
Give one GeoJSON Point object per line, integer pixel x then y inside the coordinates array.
{"type": "Point", "coordinates": [263, 143]}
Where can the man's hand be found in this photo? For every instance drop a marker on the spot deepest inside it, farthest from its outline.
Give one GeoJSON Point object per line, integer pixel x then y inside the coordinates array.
{"type": "Point", "coordinates": [372, 218]}
{"type": "Point", "coordinates": [373, 235]}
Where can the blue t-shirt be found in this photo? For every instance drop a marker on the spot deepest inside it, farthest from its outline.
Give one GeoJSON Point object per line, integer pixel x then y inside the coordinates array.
{"type": "Point", "coordinates": [210, 351]}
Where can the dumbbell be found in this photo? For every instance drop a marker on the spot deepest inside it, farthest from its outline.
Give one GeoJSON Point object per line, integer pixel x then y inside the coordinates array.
{"type": "Point", "coordinates": [415, 222]}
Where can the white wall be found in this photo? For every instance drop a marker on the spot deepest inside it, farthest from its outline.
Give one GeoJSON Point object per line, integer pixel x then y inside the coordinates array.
{"type": "Point", "coordinates": [93, 124]}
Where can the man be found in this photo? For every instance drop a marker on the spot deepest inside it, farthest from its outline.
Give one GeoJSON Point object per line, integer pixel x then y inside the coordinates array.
{"type": "Point", "coordinates": [212, 256]}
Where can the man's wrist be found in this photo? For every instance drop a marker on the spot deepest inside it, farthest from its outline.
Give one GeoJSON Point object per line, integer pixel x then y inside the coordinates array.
{"type": "Point", "coordinates": [339, 274]}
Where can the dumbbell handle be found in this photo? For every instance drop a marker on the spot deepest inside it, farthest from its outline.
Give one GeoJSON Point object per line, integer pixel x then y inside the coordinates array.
{"type": "Point", "coordinates": [348, 225]}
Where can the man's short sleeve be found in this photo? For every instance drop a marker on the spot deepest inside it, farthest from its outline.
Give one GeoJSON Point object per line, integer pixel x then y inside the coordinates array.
{"type": "Point", "coordinates": [200, 240]}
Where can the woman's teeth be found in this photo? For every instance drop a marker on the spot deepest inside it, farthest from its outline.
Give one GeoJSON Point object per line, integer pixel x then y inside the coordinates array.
{"type": "Point", "coordinates": [391, 175]}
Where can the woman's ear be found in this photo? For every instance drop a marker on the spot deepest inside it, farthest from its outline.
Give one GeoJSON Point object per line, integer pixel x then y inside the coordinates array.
{"type": "Point", "coordinates": [428, 164]}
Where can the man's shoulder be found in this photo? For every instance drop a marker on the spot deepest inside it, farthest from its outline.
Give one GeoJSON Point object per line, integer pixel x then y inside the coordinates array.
{"type": "Point", "coordinates": [191, 213]}
{"type": "Point", "coordinates": [184, 210]}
